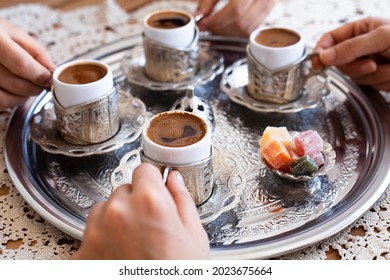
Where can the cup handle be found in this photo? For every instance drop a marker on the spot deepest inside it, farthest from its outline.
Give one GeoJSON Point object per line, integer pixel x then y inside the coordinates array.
{"type": "Point", "coordinates": [321, 73]}
{"type": "Point", "coordinates": [124, 172]}
{"type": "Point", "coordinates": [165, 173]}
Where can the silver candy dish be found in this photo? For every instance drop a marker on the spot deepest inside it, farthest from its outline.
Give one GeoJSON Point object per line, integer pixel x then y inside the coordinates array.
{"type": "Point", "coordinates": [43, 126]}
{"type": "Point", "coordinates": [210, 64]}
{"type": "Point", "coordinates": [234, 84]}
{"type": "Point", "coordinates": [269, 216]}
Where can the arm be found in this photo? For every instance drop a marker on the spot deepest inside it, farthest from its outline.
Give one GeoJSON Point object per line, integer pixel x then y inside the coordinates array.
{"type": "Point", "coordinates": [360, 49]}
{"type": "Point", "coordinates": [237, 18]}
{"type": "Point", "coordinates": [145, 220]}
{"type": "Point", "coordinates": [25, 66]}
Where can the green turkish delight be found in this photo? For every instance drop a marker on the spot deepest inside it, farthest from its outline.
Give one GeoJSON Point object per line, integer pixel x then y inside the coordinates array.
{"type": "Point", "coordinates": [303, 166]}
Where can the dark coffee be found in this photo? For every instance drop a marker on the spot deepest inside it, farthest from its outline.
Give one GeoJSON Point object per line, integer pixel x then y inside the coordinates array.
{"type": "Point", "coordinates": [277, 38]}
{"type": "Point", "coordinates": [168, 20]}
{"type": "Point", "coordinates": [176, 129]}
{"type": "Point", "coordinates": [82, 74]}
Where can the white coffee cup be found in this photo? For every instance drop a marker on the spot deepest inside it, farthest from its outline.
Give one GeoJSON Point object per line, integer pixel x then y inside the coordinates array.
{"type": "Point", "coordinates": [176, 37]}
{"type": "Point", "coordinates": [76, 89]}
{"type": "Point", "coordinates": [183, 155]}
{"type": "Point", "coordinates": [276, 48]}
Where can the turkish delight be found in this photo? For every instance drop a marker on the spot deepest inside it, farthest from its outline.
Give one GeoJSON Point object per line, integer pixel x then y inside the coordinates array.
{"type": "Point", "coordinates": [298, 153]}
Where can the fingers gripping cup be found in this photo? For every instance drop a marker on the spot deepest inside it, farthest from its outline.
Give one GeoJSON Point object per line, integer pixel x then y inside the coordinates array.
{"type": "Point", "coordinates": [86, 102]}
{"type": "Point", "coordinates": [276, 65]}
{"type": "Point", "coordinates": [181, 141]}
{"type": "Point", "coordinates": [170, 45]}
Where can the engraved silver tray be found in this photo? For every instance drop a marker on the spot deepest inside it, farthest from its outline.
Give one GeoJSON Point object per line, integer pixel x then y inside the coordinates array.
{"type": "Point", "coordinates": [271, 216]}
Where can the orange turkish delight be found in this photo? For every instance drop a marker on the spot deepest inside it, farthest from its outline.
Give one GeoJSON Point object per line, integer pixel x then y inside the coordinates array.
{"type": "Point", "coordinates": [280, 133]}
{"type": "Point", "coordinates": [273, 146]}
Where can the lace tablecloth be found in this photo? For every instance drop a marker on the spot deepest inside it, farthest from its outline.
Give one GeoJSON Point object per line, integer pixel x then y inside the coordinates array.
{"type": "Point", "coordinates": [25, 235]}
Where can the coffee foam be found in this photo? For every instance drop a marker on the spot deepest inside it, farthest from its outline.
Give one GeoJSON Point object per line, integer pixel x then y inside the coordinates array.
{"type": "Point", "coordinates": [168, 20]}
{"type": "Point", "coordinates": [277, 38]}
{"type": "Point", "coordinates": [176, 129]}
{"type": "Point", "coordinates": [82, 74]}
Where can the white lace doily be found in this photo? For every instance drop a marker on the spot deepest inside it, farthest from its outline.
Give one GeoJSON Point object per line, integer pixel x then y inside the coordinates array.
{"type": "Point", "coordinates": [25, 235]}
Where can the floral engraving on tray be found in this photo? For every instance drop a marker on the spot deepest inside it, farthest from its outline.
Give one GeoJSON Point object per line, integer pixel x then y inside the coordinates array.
{"type": "Point", "coordinates": [268, 204]}
{"type": "Point", "coordinates": [70, 190]}
{"type": "Point", "coordinates": [99, 184]}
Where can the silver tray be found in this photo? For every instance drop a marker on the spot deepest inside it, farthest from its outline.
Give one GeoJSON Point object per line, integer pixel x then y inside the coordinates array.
{"type": "Point", "coordinates": [272, 216]}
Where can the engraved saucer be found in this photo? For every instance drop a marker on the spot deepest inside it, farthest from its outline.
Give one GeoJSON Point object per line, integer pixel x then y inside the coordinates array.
{"type": "Point", "coordinates": [44, 132]}
{"type": "Point", "coordinates": [330, 159]}
{"type": "Point", "coordinates": [235, 80]}
{"type": "Point", "coordinates": [210, 63]}
{"type": "Point", "coordinates": [229, 181]}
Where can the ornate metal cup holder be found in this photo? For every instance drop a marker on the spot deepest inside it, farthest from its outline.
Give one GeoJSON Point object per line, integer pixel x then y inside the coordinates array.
{"type": "Point", "coordinates": [210, 64]}
{"type": "Point", "coordinates": [229, 182]}
{"type": "Point", "coordinates": [235, 80]}
{"type": "Point", "coordinates": [44, 132]}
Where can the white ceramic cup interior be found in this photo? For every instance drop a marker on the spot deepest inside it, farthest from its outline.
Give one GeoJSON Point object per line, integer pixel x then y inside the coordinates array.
{"type": "Point", "coordinates": [75, 94]}
{"type": "Point", "coordinates": [180, 37]}
{"type": "Point", "coordinates": [274, 58]}
{"type": "Point", "coordinates": [193, 153]}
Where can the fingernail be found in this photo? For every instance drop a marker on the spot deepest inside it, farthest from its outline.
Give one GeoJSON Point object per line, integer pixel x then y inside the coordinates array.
{"type": "Point", "coordinates": [368, 67]}
{"type": "Point", "coordinates": [178, 178]}
{"type": "Point", "coordinates": [328, 54]}
{"type": "Point", "coordinates": [198, 17]}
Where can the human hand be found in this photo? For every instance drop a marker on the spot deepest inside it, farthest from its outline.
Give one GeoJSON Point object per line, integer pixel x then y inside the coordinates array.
{"type": "Point", "coordinates": [25, 66]}
{"type": "Point", "coordinates": [360, 49]}
{"type": "Point", "coordinates": [237, 18]}
{"type": "Point", "coordinates": [145, 220]}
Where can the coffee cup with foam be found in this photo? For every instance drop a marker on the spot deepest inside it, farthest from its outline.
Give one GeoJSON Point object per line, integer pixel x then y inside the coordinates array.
{"type": "Point", "coordinates": [170, 43]}
{"type": "Point", "coordinates": [86, 101]}
{"type": "Point", "coordinates": [277, 65]}
{"type": "Point", "coordinates": [179, 140]}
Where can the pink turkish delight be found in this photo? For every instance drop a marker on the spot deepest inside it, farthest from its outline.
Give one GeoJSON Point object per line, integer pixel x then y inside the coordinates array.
{"type": "Point", "coordinates": [308, 143]}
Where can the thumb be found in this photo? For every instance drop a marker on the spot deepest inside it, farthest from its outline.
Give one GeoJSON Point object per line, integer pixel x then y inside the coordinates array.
{"type": "Point", "coordinates": [205, 7]}
{"type": "Point", "coordinates": [182, 198]}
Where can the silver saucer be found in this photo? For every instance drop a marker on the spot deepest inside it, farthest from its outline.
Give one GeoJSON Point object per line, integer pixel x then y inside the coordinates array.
{"type": "Point", "coordinates": [229, 181]}
{"type": "Point", "coordinates": [330, 159]}
{"type": "Point", "coordinates": [235, 80]}
{"type": "Point", "coordinates": [132, 116]}
{"type": "Point", "coordinates": [210, 63]}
